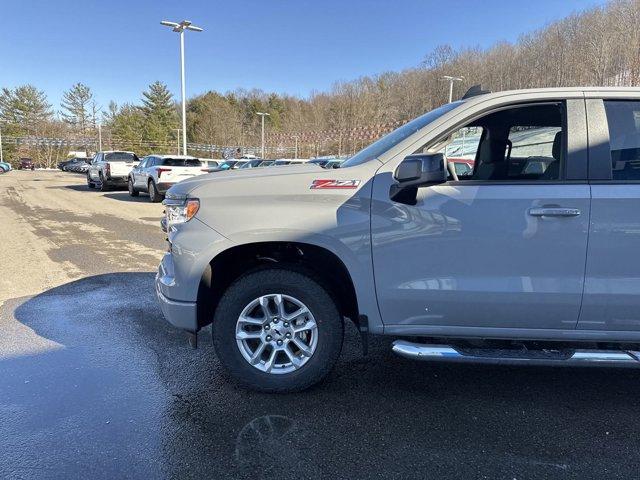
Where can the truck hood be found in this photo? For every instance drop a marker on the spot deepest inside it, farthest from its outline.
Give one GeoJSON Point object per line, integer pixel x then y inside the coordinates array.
{"type": "Point", "coordinates": [189, 186]}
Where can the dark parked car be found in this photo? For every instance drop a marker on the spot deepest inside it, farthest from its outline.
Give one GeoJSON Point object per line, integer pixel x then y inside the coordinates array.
{"type": "Point", "coordinates": [66, 164]}
{"type": "Point", "coordinates": [78, 165]}
{"type": "Point", "coordinates": [26, 164]}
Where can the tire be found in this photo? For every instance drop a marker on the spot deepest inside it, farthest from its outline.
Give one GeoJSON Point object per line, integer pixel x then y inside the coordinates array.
{"type": "Point", "coordinates": [132, 191]}
{"type": "Point", "coordinates": [290, 284]}
{"type": "Point", "coordinates": [154, 195]}
{"type": "Point", "coordinates": [90, 183]}
{"type": "Point", "coordinates": [103, 184]}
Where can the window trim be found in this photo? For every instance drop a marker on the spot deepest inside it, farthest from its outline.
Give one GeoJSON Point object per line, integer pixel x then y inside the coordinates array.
{"type": "Point", "coordinates": [598, 147]}
{"type": "Point", "coordinates": [515, 182]}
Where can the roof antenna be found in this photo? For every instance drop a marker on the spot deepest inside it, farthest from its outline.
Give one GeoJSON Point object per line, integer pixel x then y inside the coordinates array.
{"type": "Point", "coordinates": [475, 91]}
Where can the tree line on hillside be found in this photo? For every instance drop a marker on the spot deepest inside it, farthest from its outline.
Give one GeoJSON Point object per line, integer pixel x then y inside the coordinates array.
{"type": "Point", "coordinates": [599, 46]}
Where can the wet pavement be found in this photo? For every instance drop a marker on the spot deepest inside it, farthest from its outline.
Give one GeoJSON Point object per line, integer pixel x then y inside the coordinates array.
{"type": "Point", "coordinates": [94, 384]}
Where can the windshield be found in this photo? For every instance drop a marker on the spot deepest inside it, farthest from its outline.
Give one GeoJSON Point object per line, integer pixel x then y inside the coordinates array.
{"type": "Point", "coordinates": [120, 157]}
{"type": "Point", "coordinates": [392, 139]}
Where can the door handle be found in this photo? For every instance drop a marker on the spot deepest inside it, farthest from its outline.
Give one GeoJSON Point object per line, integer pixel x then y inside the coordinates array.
{"type": "Point", "coordinates": [554, 212]}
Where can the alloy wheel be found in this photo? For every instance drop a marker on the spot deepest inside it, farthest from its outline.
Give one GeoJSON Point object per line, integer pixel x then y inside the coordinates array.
{"type": "Point", "coordinates": [276, 333]}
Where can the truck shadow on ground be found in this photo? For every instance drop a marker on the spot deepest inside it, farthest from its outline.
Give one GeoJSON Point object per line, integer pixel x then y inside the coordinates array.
{"type": "Point", "coordinates": [125, 197]}
{"type": "Point", "coordinates": [76, 187]}
{"type": "Point", "coordinates": [122, 195]}
{"type": "Point", "coordinates": [109, 388]}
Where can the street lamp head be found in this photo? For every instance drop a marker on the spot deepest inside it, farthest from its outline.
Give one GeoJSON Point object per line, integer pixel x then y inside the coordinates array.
{"type": "Point", "coordinates": [263, 114]}
{"type": "Point", "coordinates": [181, 27]}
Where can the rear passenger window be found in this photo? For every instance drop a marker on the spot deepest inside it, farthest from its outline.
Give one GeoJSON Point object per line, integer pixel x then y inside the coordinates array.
{"type": "Point", "coordinates": [624, 138]}
{"type": "Point", "coordinates": [181, 162]}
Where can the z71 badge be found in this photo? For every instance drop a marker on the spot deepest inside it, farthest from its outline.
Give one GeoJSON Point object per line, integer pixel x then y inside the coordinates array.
{"type": "Point", "coordinates": [336, 184]}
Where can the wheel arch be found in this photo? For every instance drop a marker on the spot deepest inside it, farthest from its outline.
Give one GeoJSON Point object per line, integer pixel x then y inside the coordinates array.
{"type": "Point", "coordinates": [317, 262]}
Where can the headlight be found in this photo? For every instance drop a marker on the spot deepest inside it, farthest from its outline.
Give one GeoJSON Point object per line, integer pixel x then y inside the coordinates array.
{"type": "Point", "coordinates": [180, 210]}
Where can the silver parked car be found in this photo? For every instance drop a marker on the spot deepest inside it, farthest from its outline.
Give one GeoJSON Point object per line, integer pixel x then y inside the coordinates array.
{"type": "Point", "coordinates": [155, 174]}
{"type": "Point", "coordinates": [531, 258]}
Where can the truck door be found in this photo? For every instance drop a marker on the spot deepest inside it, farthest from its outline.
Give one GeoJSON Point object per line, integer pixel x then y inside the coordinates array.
{"type": "Point", "coordinates": [504, 247]}
{"type": "Point", "coordinates": [612, 286]}
{"type": "Point", "coordinates": [95, 166]}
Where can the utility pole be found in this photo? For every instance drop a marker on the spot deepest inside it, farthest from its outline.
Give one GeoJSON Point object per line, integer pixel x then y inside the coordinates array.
{"type": "Point", "coordinates": [99, 137]}
{"type": "Point", "coordinates": [262, 115]}
{"type": "Point", "coordinates": [296, 138]}
{"type": "Point", "coordinates": [451, 80]}
{"type": "Point", "coordinates": [1, 159]}
{"type": "Point", "coordinates": [180, 28]}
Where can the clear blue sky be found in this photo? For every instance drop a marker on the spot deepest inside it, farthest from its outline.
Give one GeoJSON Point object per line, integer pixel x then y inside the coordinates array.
{"type": "Point", "coordinates": [118, 47]}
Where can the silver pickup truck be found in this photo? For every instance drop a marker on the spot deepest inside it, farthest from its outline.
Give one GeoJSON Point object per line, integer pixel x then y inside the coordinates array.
{"type": "Point", "coordinates": [531, 257]}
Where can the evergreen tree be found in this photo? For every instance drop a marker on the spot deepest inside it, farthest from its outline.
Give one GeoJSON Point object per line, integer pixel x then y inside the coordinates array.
{"type": "Point", "coordinates": [24, 108]}
{"type": "Point", "coordinates": [159, 113]}
{"type": "Point", "coordinates": [76, 104]}
{"type": "Point", "coordinates": [126, 124]}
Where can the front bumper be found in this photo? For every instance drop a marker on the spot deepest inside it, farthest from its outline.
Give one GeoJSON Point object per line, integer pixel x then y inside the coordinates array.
{"type": "Point", "coordinates": [180, 314]}
{"type": "Point", "coordinates": [191, 248]}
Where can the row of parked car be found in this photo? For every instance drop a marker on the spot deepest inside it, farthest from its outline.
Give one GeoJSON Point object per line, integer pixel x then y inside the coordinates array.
{"type": "Point", "coordinates": [155, 174]}
{"type": "Point", "coordinates": [23, 164]}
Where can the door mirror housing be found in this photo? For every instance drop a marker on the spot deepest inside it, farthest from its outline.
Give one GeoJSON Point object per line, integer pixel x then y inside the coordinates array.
{"type": "Point", "coordinates": [417, 171]}
{"type": "Point", "coordinates": [420, 170]}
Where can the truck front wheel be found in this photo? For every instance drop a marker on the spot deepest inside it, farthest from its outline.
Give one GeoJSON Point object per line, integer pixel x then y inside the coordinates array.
{"type": "Point", "coordinates": [277, 330]}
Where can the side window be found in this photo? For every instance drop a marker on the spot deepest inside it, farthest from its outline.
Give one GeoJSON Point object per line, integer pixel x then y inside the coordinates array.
{"type": "Point", "coordinates": [520, 143]}
{"type": "Point", "coordinates": [143, 163]}
{"type": "Point", "coordinates": [462, 148]}
{"type": "Point", "coordinates": [532, 149]}
{"type": "Point", "coordinates": [623, 118]}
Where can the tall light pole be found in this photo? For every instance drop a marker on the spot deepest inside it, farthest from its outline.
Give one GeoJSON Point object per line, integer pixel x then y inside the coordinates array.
{"type": "Point", "coordinates": [296, 138]}
{"type": "Point", "coordinates": [262, 115]}
{"type": "Point", "coordinates": [451, 80]}
{"type": "Point", "coordinates": [180, 28]}
{"type": "Point", "coordinates": [1, 160]}
{"type": "Point", "coordinates": [99, 137]}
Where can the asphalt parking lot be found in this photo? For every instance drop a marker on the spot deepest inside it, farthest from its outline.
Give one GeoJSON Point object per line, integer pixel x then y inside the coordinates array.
{"type": "Point", "coordinates": [94, 384]}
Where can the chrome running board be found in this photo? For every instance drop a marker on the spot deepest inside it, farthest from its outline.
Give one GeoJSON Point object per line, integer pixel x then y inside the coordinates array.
{"type": "Point", "coordinates": [420, 351]}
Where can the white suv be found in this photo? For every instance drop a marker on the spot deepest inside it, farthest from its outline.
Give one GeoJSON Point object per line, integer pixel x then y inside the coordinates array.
{"type": "Point", "coordinates": [157, 173]}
